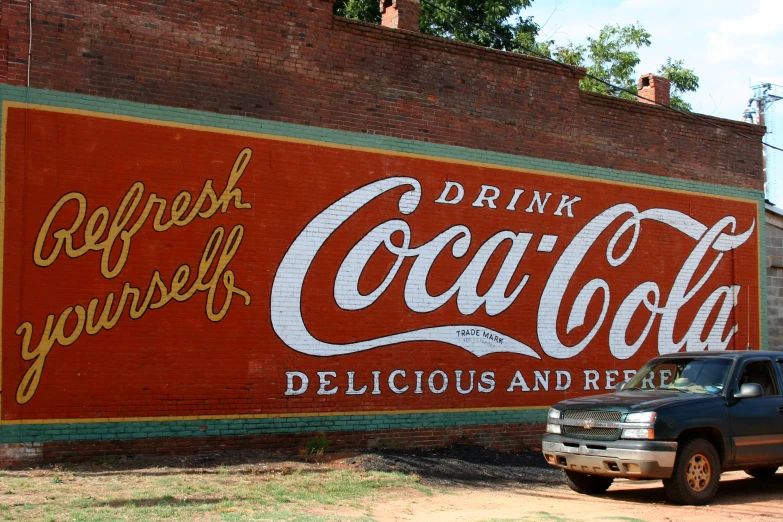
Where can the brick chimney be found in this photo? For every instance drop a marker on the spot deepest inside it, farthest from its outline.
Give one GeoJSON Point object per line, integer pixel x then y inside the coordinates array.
{"type": "Point", "coordinates": [655, 88]}
{"type": "Point", "coordinates": [401, 14]}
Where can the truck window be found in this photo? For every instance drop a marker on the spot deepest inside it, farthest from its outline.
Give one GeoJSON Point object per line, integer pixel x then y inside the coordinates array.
{"type": "Point", "coordinates": [761, 373]}
{"type": "Point", "coordinates": [693, 375]}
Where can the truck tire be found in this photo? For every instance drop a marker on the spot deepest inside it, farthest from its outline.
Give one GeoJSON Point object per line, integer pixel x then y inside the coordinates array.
{"type": "Point", "coordinates": [694, 480]}
{"type": "Point", "coordinates": [587, 484]}
{"type": "Point", "coordinates": [762, 473]}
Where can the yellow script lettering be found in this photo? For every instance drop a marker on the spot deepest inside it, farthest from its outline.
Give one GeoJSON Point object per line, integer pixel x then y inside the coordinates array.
{"type": "Point", "coordinates": [158, 294]}
{"type": "Point", "coordinates": [182, 213]}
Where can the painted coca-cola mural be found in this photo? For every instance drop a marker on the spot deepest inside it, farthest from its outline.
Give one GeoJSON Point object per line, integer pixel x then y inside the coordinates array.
{"type": "Point", "coordinates": [154, 270]}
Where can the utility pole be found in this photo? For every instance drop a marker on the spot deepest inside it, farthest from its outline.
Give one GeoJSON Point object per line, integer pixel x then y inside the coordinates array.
{"type": "Point", "coordinates": [764, 95]}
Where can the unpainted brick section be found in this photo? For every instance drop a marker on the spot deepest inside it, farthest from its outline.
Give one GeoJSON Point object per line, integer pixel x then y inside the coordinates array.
{"type": "Point", "coordinates": [3, 54]}
{"type": "Point", "coordinates": [293, 61]}
{"type": "Point", "coordinates": [20, 454]}
{"type": "Point", "coordinates": [775, 286]}
{"type": "Point", "coordinates": [508, 437]}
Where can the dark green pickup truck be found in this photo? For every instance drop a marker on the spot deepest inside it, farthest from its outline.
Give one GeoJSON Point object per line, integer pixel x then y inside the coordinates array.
{"type": "Point", "coordinates": [683, 418]}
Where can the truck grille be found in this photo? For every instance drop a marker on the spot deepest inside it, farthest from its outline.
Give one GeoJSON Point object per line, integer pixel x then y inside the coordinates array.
{"type": "Point", "coordinates": [595, 415]}
{"type": "Point", "coordinates": [593, 434]}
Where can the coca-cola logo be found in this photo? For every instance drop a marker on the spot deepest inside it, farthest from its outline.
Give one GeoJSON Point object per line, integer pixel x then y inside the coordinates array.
{"type": "Point", "coordinates": [712, 242]}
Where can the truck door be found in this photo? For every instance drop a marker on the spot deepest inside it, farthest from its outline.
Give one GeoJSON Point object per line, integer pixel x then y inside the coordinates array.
{"type": "Point", "coordinates": [757, 424]}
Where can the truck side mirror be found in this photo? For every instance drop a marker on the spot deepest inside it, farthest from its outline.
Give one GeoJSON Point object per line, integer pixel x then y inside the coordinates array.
{"type": "Point", "coordinates": [620, 387]}
{"type": "Point", "coordinates": [749, 390]}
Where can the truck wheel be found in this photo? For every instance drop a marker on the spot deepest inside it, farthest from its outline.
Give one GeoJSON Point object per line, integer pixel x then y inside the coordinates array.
{"type": "Point", "coordinates": [587, 484]}
{"type": "Point", "coordinates": [762, 473]}
{"type": "Point", "coordinates": [696, 474]}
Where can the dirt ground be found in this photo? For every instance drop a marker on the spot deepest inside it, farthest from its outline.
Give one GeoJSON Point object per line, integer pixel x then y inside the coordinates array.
{"type": "Point", "coordinates": [474, 484]}
{"type": "Point", "coordinates": [462, 483]}
{"type": "Point", "coordinates": [740, 499]}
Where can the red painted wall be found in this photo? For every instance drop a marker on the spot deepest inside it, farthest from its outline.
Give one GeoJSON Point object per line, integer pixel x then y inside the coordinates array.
{"type": "Point", "coordinates": [289, 232]}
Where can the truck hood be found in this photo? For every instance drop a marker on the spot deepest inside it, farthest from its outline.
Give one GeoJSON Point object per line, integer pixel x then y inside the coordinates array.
{"type": "Point", "coordinates": [634, 400]}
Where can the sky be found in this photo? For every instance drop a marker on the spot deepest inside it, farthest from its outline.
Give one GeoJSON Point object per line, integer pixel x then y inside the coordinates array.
{"type": "Point", "coordinates": [730, 44]}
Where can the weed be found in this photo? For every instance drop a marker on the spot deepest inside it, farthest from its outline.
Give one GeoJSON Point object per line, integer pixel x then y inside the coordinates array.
{"type": "Point", "coordinates": [425, 490]}
{"type": "Point", "coordinates": [317, 446]}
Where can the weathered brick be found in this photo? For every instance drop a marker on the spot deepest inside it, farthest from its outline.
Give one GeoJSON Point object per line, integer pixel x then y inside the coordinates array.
{"type": "Point", "coordinates": [288, 69]}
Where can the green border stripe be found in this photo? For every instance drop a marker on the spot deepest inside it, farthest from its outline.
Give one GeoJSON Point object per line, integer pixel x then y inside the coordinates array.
{"type": "Point", "coordinates": [228, 427]}
{"type": "Point", "coordinates": [225, 427]}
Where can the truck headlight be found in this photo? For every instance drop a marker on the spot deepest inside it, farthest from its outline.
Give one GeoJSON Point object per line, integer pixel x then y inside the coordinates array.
{"type": "Point", "coordinates": [553, 414]}
{"type": "Point", "coordinates": [646, 417]}
{"type": "Point", "coordinates": [638, 433]}
{"type": "Point", "coordinates": [645, 421]}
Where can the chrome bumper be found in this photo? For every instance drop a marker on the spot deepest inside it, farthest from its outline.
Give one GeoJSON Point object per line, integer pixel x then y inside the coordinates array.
{"type": "Point", "coordinates": [629, 459]}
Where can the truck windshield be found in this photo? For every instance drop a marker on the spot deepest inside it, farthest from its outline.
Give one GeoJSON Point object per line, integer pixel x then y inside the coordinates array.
{"type": "Point", "coordinates": [694, 375]}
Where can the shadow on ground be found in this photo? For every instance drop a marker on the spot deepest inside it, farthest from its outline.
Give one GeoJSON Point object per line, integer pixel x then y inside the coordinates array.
{"type": "Point", "coordinates": [472, 466]}
{"type": "Point", "coordinates": [467, 465]}
{"type": "Point", "coordinates": [167, 500]}
{"type": "Point", "coordinates": [237, 462]}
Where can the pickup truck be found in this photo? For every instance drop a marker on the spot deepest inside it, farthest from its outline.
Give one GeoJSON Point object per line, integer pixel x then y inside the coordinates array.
{"type": "Point", "coordinates": [683, 418]}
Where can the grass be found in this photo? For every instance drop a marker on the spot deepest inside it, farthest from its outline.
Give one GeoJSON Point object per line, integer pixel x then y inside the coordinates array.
{"type": "Point", "coordinates": [224, 494]}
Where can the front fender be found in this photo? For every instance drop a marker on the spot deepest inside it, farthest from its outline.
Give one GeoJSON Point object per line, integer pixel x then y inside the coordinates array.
{"type": "Point", "coordinates": [709, 421]}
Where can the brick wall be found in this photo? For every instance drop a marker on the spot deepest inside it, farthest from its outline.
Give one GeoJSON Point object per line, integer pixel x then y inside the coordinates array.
{"type": "Point", "coordinates": [161, 97]}
{"type": "Point", "coordinates": [774, 265]}
{"type": "Point", "coordinates": [501, 437]}
{"type": "Point", "coordinates": [292, 61]}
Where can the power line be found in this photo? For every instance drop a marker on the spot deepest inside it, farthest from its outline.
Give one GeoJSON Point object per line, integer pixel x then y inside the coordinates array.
{"type": "Point", "coordinates": [600, 80]}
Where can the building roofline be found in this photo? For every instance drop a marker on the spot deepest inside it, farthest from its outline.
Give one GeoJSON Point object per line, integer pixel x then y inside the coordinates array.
{"type": "Point", "coordinates": [772, 208]}
{"type": "Point", "coordinates": [526, 61]}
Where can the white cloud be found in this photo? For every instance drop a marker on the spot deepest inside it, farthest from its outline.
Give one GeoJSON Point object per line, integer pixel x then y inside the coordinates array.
{"type": "Point", "coordinates": [764, 23]}
{"type": "Point", "coordinates": [756, 38]}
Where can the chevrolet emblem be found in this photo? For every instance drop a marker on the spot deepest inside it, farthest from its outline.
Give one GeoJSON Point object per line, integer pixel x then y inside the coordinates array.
{"type": "Point", "coordinates": [588, 424]}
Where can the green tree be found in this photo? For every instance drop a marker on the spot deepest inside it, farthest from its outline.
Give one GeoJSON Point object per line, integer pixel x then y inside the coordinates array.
{"type": "Point", "coordinates": [477, 20]}
{"type": "Point", "coordinates": [613, 56]}
{"type": "Point", "coordinates": [364, 10]}
{"type": "Point", "coordinates": [683, 80]}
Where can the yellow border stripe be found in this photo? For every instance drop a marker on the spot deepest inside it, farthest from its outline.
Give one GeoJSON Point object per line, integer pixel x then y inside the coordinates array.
{"type": "Point", "coordinates": [271, 415]}
{"type": "Point", "coordinates": [2, 242]}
